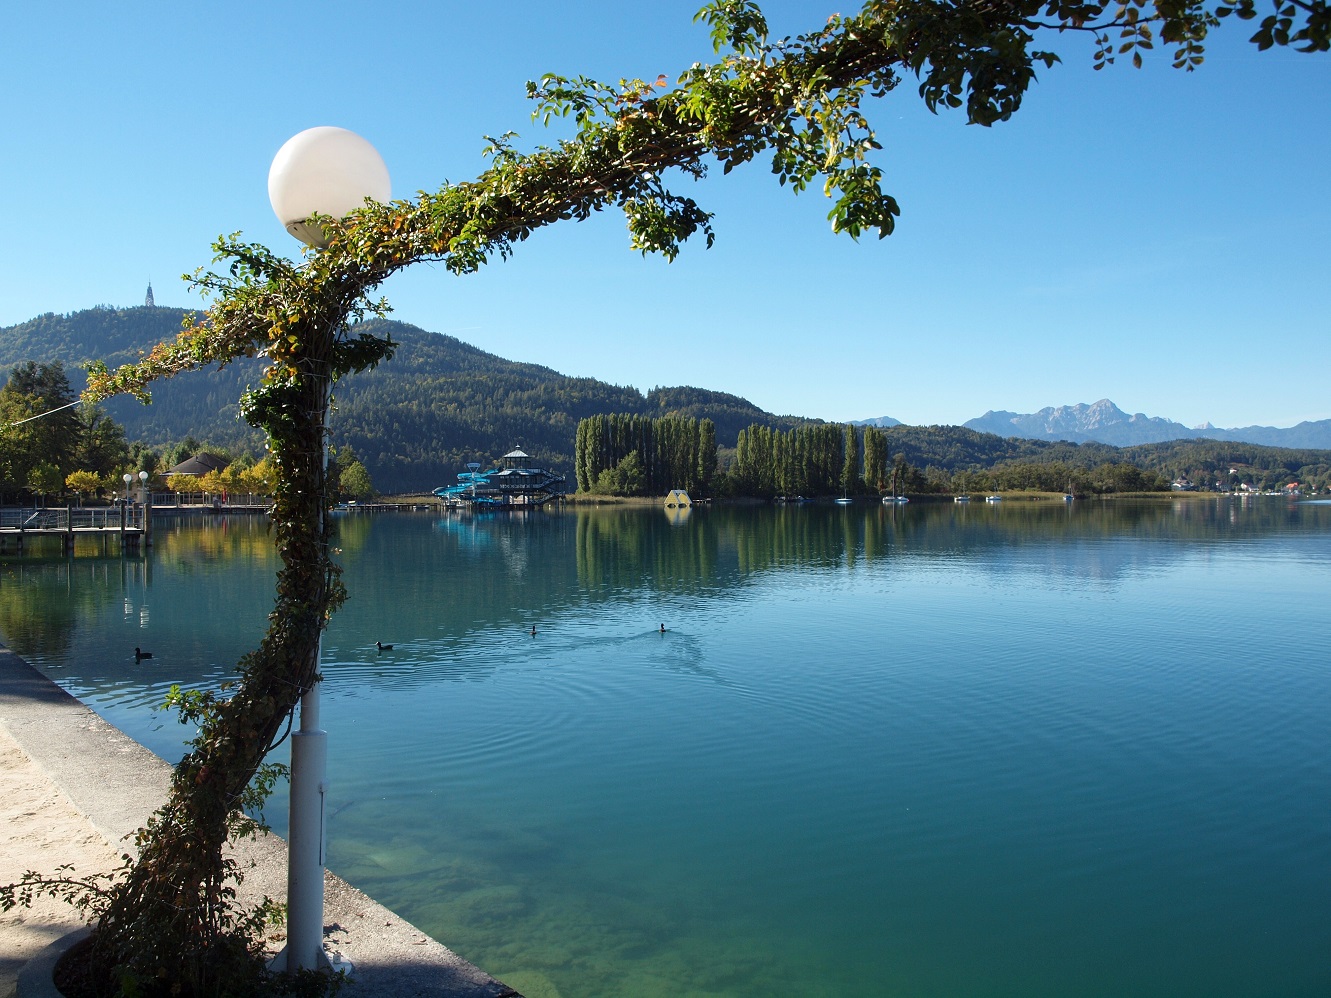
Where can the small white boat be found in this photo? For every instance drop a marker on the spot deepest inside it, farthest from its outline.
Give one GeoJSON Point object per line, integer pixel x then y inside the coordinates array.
{"type": "Point", "coordinates": [961, 498]}
{"type": "Point", "coordinates": [843, 501]}
{"type": "Point", "coordinates": [993, 498]}
{"type": "Point", "coordinates": [894, 500]}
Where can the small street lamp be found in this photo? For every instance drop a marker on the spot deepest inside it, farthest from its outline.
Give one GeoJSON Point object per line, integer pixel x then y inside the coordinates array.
{"type": "Point", "coordinates": [147, 509]}
{"type": "Point", "coordinates": [320, 171]}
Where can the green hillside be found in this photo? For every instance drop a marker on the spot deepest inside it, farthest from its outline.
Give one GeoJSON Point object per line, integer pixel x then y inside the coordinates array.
{"type": "Point", "coordinates": [955, 448]}
{"type": "Point", "coordinates": [414, 422]}
{"type": "Point", "coordinates": [440, 403]}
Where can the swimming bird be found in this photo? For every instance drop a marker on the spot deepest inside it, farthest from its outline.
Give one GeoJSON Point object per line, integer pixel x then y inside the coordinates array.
{"type": "Point", "coordinates": [663, 628]}
{"type": "Point", "coordinates": [383, 647]}
{"type": "Point", "coordinates": [140, 654]}
{"type": "Point", "coordinates": [533, 630]}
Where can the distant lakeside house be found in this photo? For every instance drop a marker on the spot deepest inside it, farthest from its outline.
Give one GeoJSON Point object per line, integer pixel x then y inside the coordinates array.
{"type": "Point", "coordinates": [199, 465]}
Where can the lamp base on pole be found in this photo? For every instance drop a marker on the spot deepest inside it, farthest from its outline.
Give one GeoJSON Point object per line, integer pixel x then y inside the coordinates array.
{"type": "Point", "coordinates": [329, 962]}
{"type": "Point", "coordinates": [305, 869]}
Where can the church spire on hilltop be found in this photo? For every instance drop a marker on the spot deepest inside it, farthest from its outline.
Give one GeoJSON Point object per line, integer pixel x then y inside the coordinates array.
{"type": "Point", "coordinates": [148, 301]}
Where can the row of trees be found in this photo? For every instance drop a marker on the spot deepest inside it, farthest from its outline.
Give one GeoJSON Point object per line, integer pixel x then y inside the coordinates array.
{"type": "Point", "coordinates": [1227, 465]}
{"type": "Point", "coordinates": [50, 446]}
{"type": "Point", "coordinates": [815, 459]}
{"type": "Point", "coordinates": [45, 436]}
{"type": "Point", "coordinates": [631, 455]}
{"type": "Point", "coordinates": [818, 459]}
{"type": "Point", "coordinates": [1104, 479]}
{"type": "Point", "coordinates": [243, 476]}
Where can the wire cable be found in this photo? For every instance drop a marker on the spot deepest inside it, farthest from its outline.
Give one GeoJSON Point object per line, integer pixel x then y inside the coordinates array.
{"type": "Point", "coordinates": [29, 419]}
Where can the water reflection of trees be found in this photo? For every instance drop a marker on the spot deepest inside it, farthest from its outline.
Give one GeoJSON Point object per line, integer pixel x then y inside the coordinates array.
{"type": "Point", "coordinates": [81, 616]}
{"type": "Point", "coordinates": [189, 542]}
{"type": "Point", "coordinates": [39, 607]}
{"type": "Point", "coordinates": [629, 549]}
{"type": "Point", "coordinates": [441, 580]}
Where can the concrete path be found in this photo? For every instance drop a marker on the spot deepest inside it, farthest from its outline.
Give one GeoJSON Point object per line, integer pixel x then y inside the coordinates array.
{"type": "Point", "coordinates": [72, 787]}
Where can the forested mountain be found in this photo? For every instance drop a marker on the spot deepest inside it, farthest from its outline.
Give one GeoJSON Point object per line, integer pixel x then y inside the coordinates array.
{"type": "Point", "coordinates": [414, 422]}
{"type": "Point", "coordinates": [1227, 463]}
{"type": "Point", "coordinates": [949, 449]}
{"type": "Point", "coordinates": [440, 403]}
{"type": "Point", "coordinates": [203, 405]}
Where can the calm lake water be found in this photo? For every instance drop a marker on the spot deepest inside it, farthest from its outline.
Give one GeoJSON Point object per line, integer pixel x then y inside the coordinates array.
{"type": "Point", "coordinates": [946, 751]}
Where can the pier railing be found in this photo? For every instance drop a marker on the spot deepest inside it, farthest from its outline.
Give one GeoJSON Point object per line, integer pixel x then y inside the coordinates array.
{"type": "Point", "coordinates": [53, 518]}
{"type": "Point", "coordinates": [182, 500]}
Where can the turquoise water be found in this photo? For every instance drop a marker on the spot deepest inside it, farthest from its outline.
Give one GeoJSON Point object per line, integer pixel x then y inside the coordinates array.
{"type": "Point", "coordinates": [1025, 750]}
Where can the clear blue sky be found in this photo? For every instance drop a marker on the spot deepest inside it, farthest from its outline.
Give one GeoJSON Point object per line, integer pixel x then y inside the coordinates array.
{"type": "Point", "coordinates": [1154, 237]}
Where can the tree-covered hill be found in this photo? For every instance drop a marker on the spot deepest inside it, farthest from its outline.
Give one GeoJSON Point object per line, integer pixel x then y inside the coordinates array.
{"type": "Point", "coordinates": [414, 422]}
{"type": "Point", "coordinates": [956, 448]}
{"type": "Point", "coordinates": [1228, 463]}
{"type": "Point", "coordinates": [729, 413]}
{"type": "Point", "coordinates": [203, 405]}
{"type": "Point", "coordinates": [440, 403]}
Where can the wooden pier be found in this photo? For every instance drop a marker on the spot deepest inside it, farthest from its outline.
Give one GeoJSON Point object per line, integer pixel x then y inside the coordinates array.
{"type": "Point", "coordinates": [130, 524]}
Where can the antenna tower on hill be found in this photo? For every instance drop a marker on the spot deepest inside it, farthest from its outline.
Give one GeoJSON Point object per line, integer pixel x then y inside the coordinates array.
{"type": "Point", "coordinates": [148, 301]}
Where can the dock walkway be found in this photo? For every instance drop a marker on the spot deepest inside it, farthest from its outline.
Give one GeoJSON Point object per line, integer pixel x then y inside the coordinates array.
{"type": "Point", "coordinates": [127, 523]}
{"type": "Point", "coordinates": [130, 524]}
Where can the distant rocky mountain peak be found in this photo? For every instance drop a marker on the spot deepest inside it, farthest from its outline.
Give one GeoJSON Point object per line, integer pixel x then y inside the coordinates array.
{"type": "Point", "coordinates": [1104, 422]}
{"type": "Point", "coordinates": [881, 421]}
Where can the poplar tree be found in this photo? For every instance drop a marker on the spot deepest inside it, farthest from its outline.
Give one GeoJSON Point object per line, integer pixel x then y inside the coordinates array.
{"type": "Point", "coordinates": [875, 458]}
{"type": "Point", "coordinates": [850, 460]}
{"type": "Point", "coordinates": [706, 453]}
{"type": "Point", "coordinates": [40, 428]}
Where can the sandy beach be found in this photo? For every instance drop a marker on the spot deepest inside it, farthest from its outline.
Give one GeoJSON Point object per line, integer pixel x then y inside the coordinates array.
{"type": "Point", "coordinates": [42, 830]}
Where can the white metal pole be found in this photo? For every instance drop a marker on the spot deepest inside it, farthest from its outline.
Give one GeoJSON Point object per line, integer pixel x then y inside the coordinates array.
{"type": "Point", "coordinates": [305, 867]}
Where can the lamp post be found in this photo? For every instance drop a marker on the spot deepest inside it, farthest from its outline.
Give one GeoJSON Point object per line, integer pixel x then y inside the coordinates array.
{"type": "Point", "coordinates": [147, 509]}
{"type": "Point", "coordinates": [324, 171]}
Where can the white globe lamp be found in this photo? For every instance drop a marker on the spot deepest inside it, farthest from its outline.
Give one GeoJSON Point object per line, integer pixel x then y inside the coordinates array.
{"type": "Point", "coordinates": [324, 171]}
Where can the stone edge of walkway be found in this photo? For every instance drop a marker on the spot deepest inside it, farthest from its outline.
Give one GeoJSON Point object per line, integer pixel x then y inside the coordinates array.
{"type": "Point", "coordinates": [103, 772]}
